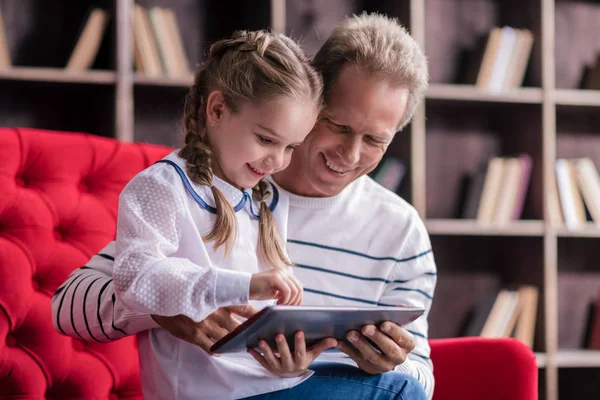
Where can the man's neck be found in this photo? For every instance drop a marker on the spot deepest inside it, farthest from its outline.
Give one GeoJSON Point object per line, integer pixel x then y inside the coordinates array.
{"type": "Point", "coordinates": [291, 183]}
{"type": "Point", "coordinates": [294, 180]}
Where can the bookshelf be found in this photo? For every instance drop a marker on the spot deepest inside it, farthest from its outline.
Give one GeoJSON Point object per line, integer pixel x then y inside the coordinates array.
{"type": "Point", "coordinates": [457, 128]}
{"type": "Point", "coordinates": [31, 74]}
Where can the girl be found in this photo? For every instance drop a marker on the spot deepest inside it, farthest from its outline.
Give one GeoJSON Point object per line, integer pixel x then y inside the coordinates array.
{"type": "Point", "coordinates": [191, 236]}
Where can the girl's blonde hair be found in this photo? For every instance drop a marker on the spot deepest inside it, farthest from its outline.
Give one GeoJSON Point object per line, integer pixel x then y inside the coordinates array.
{"type": "Point", "coordinates": [250, 66]}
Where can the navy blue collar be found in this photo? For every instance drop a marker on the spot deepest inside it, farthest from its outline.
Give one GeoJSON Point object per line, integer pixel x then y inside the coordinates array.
{"type": "Point", "coordinates": [213, 210]}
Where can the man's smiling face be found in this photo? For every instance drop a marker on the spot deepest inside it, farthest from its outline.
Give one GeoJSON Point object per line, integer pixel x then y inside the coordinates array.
{"type": "Point", "coordinates": [360, 119]}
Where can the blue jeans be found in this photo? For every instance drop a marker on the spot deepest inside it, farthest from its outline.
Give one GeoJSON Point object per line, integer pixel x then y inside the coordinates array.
{"type": "Point", "coordinates": [334, 381]}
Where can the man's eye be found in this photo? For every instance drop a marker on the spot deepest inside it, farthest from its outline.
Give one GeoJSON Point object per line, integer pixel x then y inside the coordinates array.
{"type": "Point", "coordinates": [335, 127]}
{"type": "Point", "coordinates": [264, 140]}
{"type": "Point", "coordinates": [375, 140]}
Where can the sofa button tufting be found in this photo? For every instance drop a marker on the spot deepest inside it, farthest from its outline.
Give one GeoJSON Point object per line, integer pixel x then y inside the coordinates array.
{"type": "Point", "coordinates": [20, 181]}
{"type": "Point", "coordinates": [78, 346]}
{"type": "Point", "coordinates": [59, 235]}
{"type": "Point", "coordinates": [84, 186]}
{"type": "Point", "coordinates": [35, 285]}
{"type": "Point", "coordinates": [11, 341]}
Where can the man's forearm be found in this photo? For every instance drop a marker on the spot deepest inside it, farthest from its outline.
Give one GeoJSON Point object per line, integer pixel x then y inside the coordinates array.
{"type": "Point", "coordinates": [85, 306]}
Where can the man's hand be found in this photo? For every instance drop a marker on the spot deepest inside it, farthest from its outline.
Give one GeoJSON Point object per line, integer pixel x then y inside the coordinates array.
{"type": "Point", "coordinates": [208, 331]}
{"type": "Point", "coordinates": [284, 363]}
{"type": "Point", "coordinates": [394, 341]}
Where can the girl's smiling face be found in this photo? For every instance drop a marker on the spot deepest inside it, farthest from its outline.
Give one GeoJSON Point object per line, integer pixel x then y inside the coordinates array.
{"type": "Point", "coordinates": [257, 139]}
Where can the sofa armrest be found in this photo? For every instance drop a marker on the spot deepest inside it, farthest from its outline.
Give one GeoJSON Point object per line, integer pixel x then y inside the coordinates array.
{"type": "Point", "coordinates": [481, 368]}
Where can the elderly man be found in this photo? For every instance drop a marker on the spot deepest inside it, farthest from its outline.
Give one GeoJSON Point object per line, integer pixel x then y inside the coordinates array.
{"type": "Point", "coordinates": [352, 241]}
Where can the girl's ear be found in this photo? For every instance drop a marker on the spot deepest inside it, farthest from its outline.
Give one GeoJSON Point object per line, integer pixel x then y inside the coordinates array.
{"type": "Point", "coordinates": [215, 107]}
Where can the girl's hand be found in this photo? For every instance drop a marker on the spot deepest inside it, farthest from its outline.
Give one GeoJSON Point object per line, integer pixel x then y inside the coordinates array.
{"type": "Point", "coordinates": [286, 364]}
{"type": "Point", "coordinates": [277, 283]}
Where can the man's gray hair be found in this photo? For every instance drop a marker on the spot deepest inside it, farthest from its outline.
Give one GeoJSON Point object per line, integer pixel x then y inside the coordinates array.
{"type": "Point", "coordinates": [378, 45]}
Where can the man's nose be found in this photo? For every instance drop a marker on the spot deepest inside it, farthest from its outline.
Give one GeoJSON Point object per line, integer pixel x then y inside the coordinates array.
{"type": "Point", "coordinates": [349, 150]}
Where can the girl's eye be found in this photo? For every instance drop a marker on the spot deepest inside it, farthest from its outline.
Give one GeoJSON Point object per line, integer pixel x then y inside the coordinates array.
{"type": "Point", "coordinates": [291, 148]}
{"type": "Point", "coordinates": [264, 140]}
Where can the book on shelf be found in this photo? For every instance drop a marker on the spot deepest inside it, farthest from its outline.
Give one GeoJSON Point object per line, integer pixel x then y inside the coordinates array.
{"type": "Point", "coordinates": [501, 316]}
{"type": "Point", "coordinates": [578, 185]}
{"type": "Point", "coordinates": [473, 193]}
{"type": "Point", "coordinates": [588, 182]}
{"type": "Point", "coordinates": [5, 61]}
{"type": "Point", "coordinates": [166, 51]}
{"type": "Point", "coordinates": [570, 199]}
{"type": "Point", "coordinates": [527, 315]}
{"type": "Point", "coordinates": [594, 329]}
{"type": "Point", "coordinates": [88, 43]}
{"type": "Point", "coordinates": [503, 192]}
{"type": "Point", "coordinates": [183, 63]}
{"type": "Point", "coordinates": [146, 50]}
{"type": "Point", "coordinates": [491, 189]}
{"type": "Point", "coordinates": [481, 311]}
{"type": "Point", "coordinates": [592, 79]}
{"type": "Point", "coordinates": [555, 214]}
{"type": "Point", "coordinates": [506, 313]}
{"type": "Point", "coordinates": [390, 173]}
{"type": "Point", "coordinates": [158, 47]}
{"type": "Point", "coordinates": [503, 61]}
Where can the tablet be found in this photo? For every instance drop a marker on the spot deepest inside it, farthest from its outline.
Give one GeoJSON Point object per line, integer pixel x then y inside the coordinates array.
{"type": "Point", "coordinates": [316, 322]}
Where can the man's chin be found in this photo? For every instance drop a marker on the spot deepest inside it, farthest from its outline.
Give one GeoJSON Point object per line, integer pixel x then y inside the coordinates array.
{"type": "Point", "coordinates": [329, 189]}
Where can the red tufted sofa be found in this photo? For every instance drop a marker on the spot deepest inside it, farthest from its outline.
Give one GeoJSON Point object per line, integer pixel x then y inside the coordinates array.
{"type": "Point", "coordinates": [58, 206]}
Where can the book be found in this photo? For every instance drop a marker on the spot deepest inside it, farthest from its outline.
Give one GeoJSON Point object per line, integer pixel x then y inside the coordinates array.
{"type": "Point", "coordinates": [390, 173]}
{"type": "Point", "coordinates": [580, 210]}
{"type": "Point", "coordinates": [555, 216]}
{"type": "Point", "coordinates": [481, 312]}
{"type": "Point", "coordinates": [502, 60]}
{"type": "Point", "coordinates": [474, 194]}
{"type": "Point", "coordinates": [513, 60]}
{"type": "Point", "coordinates": [501, 314]}
{"type": "Point", "coordinates": [594, 339]}
{"type": "Point", "coordinates": [507, 194]}
{"type": "Point", "coordinates": [525, 164]}
{"type": "Point", "coordinates": [567, 194]}
{"type": "Point", "coordinates": [163, 40]}
{"type": "Point", "coordinates": [489, 57]}
{"type": "Point", "coordinates": [183, 63]}
{"type": "Point", "coordinates": [593, 77]}
{"type": "Point", "coordinates": [505, 59]}
{"type": "Point", "coordinates": [522, 60]}
{"type": "Point", "coordinates": [5, 61]}
{"type": "Point", "coordinates": [527, 314]}
{"type": "Point", "coordinates": [88, 43]}
{"type": "Point", "coordinates": [589, 320]}
{"type": "Point", "coordinates": [588, 183]}
{"type": "Point", "coordinates": [491, 188]}
{"type": "Point", "coordinates": [145, 43]}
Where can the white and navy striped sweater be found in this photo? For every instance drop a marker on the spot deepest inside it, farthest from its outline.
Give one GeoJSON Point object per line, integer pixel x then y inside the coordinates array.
{"type": "Point", "coordinates": [363, 246]}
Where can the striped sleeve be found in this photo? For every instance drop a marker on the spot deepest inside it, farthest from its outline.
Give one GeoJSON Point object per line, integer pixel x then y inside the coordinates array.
{"type": "Point", "coordinates": [85, 306]}
{"type": "Point", "coordinates": [412, 283]}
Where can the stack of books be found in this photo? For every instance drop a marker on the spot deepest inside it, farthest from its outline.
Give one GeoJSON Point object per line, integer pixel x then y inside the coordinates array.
{"type": "Point", "coordinates": [575, 194]}
{"type": "Point", "coordinates": [157, 43]}
{"type": "Point", "coordinates": [506, 313]}
{"type": "Point", "coordinates": [501, 63]}
{"type": "Point", "coordinates": [497, 193]}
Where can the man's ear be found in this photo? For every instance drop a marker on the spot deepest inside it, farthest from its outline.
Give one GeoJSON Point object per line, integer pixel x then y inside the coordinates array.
{"type": "Point", "coordinates": [215, 107]}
